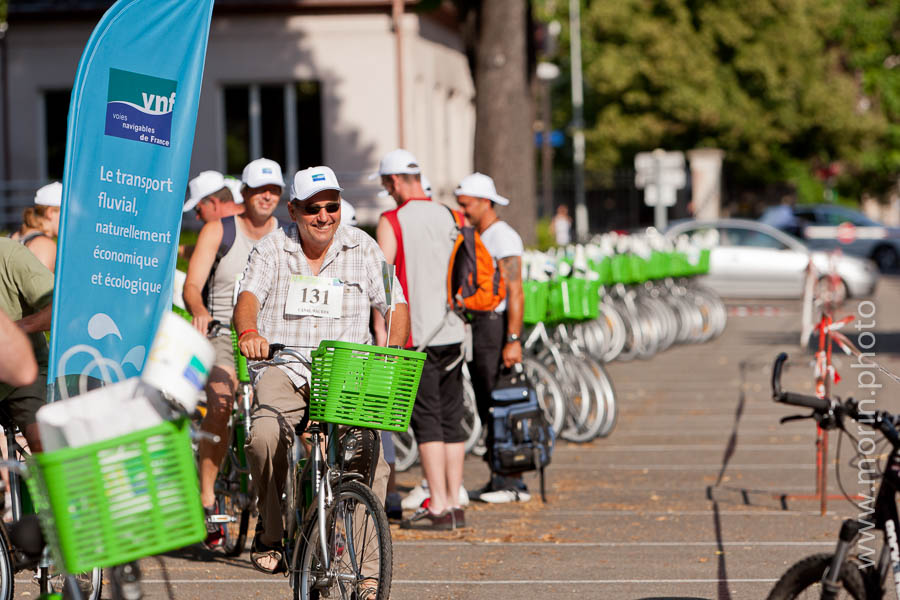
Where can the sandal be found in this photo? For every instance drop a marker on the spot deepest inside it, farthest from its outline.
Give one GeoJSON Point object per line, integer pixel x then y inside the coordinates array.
{"type": "Point", "coordinates": [259, 550]}
{"type": "Point", "coordinates": [368, 589]}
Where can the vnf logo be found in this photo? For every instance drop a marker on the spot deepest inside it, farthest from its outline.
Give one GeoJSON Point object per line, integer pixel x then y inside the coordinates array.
{"type": "Point", "coordinates": [139, 107]}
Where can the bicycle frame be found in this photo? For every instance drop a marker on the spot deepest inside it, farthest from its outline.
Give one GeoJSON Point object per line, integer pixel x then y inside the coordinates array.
{"type": "Point", "coordinates": [884, 517]}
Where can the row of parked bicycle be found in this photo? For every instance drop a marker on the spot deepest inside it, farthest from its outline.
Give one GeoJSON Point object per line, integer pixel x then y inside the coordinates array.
{"type": "Point", "coordinates": [619, 297]}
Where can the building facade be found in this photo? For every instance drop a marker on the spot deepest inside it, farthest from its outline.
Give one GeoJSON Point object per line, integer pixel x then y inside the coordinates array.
{"type": "Point", "coordinates": [301, 82]}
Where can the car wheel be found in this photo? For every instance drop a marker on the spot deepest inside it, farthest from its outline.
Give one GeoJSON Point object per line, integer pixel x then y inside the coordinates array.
{"type": "Point", "coordinates": [886, 258]}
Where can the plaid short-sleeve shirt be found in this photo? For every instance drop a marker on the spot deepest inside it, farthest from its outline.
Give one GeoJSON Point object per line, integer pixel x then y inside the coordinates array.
{"type": "Point", "coordinates": [353, 257]}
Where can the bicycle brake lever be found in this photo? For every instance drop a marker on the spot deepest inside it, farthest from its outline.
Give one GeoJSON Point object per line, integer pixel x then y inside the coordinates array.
{"type": "Point", "coordinates": [787, 419]}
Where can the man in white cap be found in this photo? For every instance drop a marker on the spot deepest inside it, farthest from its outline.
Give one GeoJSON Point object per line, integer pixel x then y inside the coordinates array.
{"type": "Point", "coordinates": [212, 197]}
{"type": "Point", "coordinates": [495, 336]}
{"type": "Point", "coordinates": [418, 237]}
{"type": "Point", "coordinates": [209, 291]}
{"type": "Point", "coordinates": [310, 281]}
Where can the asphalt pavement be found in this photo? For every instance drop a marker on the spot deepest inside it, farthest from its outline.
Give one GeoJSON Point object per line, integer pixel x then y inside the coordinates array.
{"type": "Point", "coordinates": [699, 493]}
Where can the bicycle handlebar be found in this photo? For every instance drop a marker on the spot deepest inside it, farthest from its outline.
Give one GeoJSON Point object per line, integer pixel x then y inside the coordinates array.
{"type": "Point", "coordinates": [879, 420]}
{"type": "Point", "coordinates": [820, 405]}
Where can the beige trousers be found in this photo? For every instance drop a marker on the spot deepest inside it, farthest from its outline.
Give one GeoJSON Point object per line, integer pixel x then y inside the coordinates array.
{"type": "Point", "coordinates": [279, 406]}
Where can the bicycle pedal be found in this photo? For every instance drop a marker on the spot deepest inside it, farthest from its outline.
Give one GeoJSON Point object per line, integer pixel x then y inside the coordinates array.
{"type": "Point", "coordinates": [221, 519]}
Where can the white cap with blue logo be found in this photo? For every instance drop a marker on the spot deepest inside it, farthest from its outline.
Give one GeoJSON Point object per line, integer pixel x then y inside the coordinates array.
{"type": "Point", "coordinates": [311, 181]}
{"type": "Point", "coordinates": [262, 171]}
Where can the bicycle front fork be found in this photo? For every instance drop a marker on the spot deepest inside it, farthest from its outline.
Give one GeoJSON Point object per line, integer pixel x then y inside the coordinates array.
{"type": "Point", "coordinates": [831, 580]}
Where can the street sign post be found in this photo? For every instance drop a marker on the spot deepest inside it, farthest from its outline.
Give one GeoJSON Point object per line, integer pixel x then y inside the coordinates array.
{"type": "Point", "coordinates": [660, 174]}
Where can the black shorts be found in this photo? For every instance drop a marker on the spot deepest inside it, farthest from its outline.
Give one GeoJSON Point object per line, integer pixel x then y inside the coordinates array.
{"type": "Point", "coordinates": [22, 404]}
{"type": "Point", "coordinates": [439, 408]}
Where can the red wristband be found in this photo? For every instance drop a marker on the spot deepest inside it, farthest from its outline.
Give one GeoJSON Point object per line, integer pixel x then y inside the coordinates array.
{"type": "Point", "coordinates": [245, 332]}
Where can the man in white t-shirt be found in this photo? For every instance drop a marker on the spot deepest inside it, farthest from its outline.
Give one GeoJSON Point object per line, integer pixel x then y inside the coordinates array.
{"type": "Point", "coordinates": [495, 336]}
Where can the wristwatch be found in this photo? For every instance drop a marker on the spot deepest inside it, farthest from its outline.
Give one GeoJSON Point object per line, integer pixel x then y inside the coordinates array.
{"type": "Point", "coordinates": [513, 337]}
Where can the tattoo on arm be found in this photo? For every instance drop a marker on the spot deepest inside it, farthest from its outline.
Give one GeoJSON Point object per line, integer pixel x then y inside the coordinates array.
{"type": "Point", "coordinates": [511, 268]}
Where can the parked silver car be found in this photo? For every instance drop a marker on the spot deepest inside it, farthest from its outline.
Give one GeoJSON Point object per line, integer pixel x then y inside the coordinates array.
{"type": "Point", "coordinates": [829, 226]}
{"type": "Point", "coordinates": [754, 260]}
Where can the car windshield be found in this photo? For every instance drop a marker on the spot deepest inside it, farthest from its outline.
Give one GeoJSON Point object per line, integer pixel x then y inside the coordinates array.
{"type": "Point", "coordinates": [835, 215]}
{"type": "Point", "coordinates": [738, 236]}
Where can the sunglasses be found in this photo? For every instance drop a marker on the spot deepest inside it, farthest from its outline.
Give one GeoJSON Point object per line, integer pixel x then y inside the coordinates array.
{"type": "Point", "coordinates": [313, 209]}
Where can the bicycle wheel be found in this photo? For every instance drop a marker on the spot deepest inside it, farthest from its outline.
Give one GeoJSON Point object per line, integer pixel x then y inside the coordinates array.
{"type": "Point", "coordinates": [583, 423]}
{"type": "Point", "coordinates": [608, 398]}
{"type": "Point", "coordinates": [471, 423]}
{"type": "Point", "coordinates": [7, 578]}
{"type": "Point", "coordinates": [549, 393]}
{"type": "Point", "coordinates": [234, 502]}
{"type": "Point", "coordinates": [803, 580]}
{"type": "Point", "coordinates": [358, 543]}
{"type": "Point", "coordinates": [405, 449]}
{"type": "Point", "coordinates": [89, 584]}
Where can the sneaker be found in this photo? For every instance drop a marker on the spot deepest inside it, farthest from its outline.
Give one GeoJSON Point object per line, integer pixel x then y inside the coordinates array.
{"type": "Point", "coordinates": [423, 519]}
{"type": "Point", "coordinates": [393, 507]}
{"type": "Point", "coordinates": [215, 532]}
{"type": "Point", "coordinates": [504, 496]}
{"type": "Point", "coordinates": [416, 497]}
{"type": "Point", "coordinates": [459, 518]}
{"type": "Point", "coordinates": [496, 482]}
{"type": "Point", "coordinates": [463, 496]}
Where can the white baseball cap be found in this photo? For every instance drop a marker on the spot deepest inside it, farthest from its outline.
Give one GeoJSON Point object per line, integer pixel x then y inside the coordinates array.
{"type": "Point", "coordinates": [49, 195]}
{"type": "Point", "coordinates": [201, 186]}
{"type": "Point", "coordinates": [348, 213]}
{"type": "Point", "coordinates": [426, 187]}
{"type": "Point", "coordinates": [262, 171]}
{"type": "Point", "coordinates": [397, 162]}
{"type": "Point", "coordinates": [235, 186]}
{"type": "Point", "coordinates": [479, 185]}
{"type": "Point", "coordinates": [311, 181]}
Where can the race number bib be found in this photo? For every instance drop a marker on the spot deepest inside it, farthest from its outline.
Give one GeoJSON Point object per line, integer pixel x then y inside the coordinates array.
{"type": "Point", "coordinates": [315, 296]}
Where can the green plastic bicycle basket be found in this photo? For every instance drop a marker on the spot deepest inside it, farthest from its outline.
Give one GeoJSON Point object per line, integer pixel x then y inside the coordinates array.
{"type": "Point", "coordinates": [567, 300]}
{"type": "Point", "coordinates": [620, 269]}
{"type": "Point", "coordinates": [680, 265]}
{"type": "Point", "coordinates": [659, 265]}
{"type": "Point", "coordinates": [537, 294]}
{"type": "Point", "coordinates": [366, 386]}
{"type": "Point", "coordinates": [118, 500]}
{"type": "Point", "coordinates": [592, 300]}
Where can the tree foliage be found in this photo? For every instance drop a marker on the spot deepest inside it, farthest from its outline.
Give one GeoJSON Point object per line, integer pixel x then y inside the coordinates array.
{"type": "Point", "coordinates": [785, 87]}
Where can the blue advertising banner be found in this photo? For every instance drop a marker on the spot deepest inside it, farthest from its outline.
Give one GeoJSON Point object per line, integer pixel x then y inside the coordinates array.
{"type": "Point", "coordinates": [128, 150]}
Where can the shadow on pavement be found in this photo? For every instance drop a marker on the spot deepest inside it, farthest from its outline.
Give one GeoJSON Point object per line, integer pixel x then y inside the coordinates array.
{"type": "Point", "coordinates": [773, 338]}
{"type": "Point", "coordinates": [198, 553]}
{"type": "Point", "coordinates": [879, 342]}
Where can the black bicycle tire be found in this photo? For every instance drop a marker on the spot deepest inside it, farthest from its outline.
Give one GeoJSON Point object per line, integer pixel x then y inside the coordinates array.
{"type": "Point", "coordinates": [808, 572]}
{"type": "Point", "coordinates": [375, 507]}
{"type": "Point", "coordinates": [6, 567]}
{"type": "Point", "coordinates": [231, 546]}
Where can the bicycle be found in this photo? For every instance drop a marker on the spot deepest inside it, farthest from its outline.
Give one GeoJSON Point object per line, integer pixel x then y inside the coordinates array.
{"type": "Point", "coordinates": [337, 538]}
{"type": "Point", "coordinates": [20, 551]}
{"type": "Point", "coordinates": [826, 575]}
{"type": "Point", "coordinates": [235, 498]}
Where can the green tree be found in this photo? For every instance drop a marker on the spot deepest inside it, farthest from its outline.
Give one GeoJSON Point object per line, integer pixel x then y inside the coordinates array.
{"type": "Point", "coordinates": [785, 87]}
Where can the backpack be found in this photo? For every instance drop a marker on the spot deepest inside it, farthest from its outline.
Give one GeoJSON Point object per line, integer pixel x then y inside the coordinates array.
{"type": "Point", "coordinates": [523, 439]}
{"type": "Point", "coordinates": [474, 282]}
